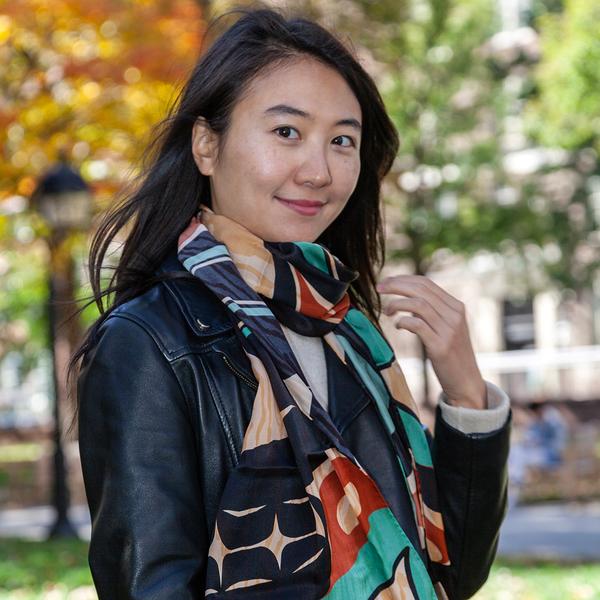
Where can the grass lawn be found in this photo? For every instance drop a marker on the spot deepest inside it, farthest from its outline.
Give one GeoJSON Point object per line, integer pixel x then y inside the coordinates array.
{"type": "Point", "coordinates": [58, 570]}
{"type": "Point", "coordinates": [50, 570]}
{"type": "Point", "coordinates": [542, 582]}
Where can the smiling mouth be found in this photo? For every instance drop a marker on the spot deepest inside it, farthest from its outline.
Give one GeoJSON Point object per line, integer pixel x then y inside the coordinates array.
{"type": "Point", "coordinates": [303, 207]}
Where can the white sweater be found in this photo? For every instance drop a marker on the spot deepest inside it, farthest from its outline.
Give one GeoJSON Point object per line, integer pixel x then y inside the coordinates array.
{"type": "Point", "coordinates": [311, 357]}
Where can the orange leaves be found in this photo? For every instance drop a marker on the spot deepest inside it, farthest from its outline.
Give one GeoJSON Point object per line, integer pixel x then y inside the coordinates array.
{"type": "Point", "coordinates": [89, 77]}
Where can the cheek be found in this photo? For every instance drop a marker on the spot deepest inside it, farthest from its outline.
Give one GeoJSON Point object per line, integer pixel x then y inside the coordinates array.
{"type": "Point", "coordinates": [258, 166]}
{"type": "Point", "coordinates": [348, 174]}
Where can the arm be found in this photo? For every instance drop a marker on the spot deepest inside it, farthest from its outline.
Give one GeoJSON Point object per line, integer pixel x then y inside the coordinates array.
{"type": "Point", "coordinates": [468, 515]}
{"type": "Point", "coordinates": [472, 479]}
{"type": "Point", "coordinates": [475, 420]}
{"type": "Point", "coordinates": [469, 455]}
{"type": "Point", "coordinates": [149, 538]}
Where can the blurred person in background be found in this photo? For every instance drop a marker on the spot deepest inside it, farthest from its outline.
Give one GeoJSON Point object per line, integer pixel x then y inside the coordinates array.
{"type": "Point", "coordinates": [539, 446]}
{"type": "Point", "coordinates": [245, 429]}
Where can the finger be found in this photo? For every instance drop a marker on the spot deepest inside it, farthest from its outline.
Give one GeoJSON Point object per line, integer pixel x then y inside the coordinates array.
{"type": "Point", "coordinates": [423, 284]}
{"type": "Point", "coordinates": [418, 292]}
{"type": "Point", "coordinates": [453, 313]}
{"type": "Point", "coordinates": [422, 302]}
{"type": "Point", "coordinates": [419, 327]}
{"type": "Point", "coordinates": [421, 308]}
{"type": "Point", "coordinates": [418, 282]}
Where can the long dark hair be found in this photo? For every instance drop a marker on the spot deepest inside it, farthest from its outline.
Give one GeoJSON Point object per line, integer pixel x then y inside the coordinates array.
{"type": "Point", "coordinates": [171, 186]}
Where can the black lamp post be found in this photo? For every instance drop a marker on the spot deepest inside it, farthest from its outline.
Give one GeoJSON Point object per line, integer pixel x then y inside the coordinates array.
{"type": "Point", "coordinates": [64, 200]}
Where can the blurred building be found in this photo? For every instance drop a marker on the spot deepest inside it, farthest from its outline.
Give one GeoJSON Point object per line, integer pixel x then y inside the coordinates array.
{"type": "Point", "coordinates": [537, 348]}
{"type": "Point", "coordinates": [541, 347]}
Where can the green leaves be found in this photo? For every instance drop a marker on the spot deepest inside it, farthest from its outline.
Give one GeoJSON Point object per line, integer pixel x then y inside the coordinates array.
{"type": "Point", "coordinates": [566, 111]}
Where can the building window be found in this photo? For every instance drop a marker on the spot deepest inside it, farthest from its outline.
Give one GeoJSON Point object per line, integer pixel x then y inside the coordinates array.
{"type": "Point", "coordinates": [518, 330]}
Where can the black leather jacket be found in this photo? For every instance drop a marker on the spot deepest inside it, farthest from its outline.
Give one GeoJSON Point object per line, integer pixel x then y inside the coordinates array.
{"type": "Point", "coordinates": [165, 397]}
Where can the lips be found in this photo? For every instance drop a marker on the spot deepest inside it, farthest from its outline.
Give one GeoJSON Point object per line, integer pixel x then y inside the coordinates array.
{"type": "Point", "coordinates": [302, 206]}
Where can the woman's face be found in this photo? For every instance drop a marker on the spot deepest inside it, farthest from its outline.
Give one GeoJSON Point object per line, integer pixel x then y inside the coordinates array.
{"type": "Point", "coordinates": [291, 155]}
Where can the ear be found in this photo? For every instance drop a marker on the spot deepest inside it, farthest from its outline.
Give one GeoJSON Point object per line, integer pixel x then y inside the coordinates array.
{"type": "Point", "coordinates": [204, 146]}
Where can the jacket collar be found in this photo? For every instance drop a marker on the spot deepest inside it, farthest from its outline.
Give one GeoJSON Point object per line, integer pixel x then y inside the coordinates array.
{"type": "Point", "coordinates": [201, 309]}
{"type": "Point", "coordinates": [208, 317]}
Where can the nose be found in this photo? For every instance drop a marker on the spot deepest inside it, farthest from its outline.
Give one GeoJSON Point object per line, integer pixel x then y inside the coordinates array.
{"type": "Point", "coordinates": [314, 170]}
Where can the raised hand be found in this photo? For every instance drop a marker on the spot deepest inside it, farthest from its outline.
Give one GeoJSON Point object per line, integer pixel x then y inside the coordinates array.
{"type": "Point", "coordinates": [439, 320]}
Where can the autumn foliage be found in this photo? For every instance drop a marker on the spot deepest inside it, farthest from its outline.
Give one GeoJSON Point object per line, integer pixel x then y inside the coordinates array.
{"type": "Point", "coordinates": [88, 78]}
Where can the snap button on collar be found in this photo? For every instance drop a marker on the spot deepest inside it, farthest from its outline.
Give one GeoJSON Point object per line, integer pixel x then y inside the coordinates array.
{"type": "Point", "coordinates": [202, 325]}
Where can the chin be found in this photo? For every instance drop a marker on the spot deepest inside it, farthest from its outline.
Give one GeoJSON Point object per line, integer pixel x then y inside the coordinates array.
{"type": "Point", "coordinates": [291, 236]}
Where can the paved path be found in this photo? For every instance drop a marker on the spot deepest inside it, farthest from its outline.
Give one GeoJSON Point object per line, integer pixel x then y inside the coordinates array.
{"type": "Point", "coordinates": [34, 523]}
{"type": "Point", "coordinates": [568, 532]}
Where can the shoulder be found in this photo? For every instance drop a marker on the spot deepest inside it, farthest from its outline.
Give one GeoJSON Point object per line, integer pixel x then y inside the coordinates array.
{"type": "Point", "coordinates": [177, 315]}
{"type": "Point", "coordinates": [138, 346]}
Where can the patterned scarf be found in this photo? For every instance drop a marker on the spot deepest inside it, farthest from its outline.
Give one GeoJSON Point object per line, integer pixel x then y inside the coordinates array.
{"type": "Point", "coordinates": [299, 504]}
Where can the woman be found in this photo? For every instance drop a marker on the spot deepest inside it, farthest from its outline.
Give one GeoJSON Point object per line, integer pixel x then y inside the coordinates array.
{"type": "Point", "coordinates": [245, 430]}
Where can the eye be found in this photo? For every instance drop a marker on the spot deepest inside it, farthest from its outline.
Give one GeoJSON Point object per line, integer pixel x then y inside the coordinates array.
{"type": "Point", "coordinates": [345, 141]}
{"type": "Point", "coordinates": [287, 132]}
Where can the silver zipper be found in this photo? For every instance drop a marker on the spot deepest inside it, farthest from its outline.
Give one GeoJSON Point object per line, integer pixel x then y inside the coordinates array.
{"type": "Point", "coordinates": [243, 377]}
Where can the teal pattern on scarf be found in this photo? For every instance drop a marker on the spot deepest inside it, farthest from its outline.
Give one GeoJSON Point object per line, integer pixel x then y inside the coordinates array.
{"type": "Point", "coordinates": [299, 517]}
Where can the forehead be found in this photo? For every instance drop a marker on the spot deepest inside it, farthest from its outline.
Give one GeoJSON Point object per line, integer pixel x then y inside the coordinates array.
{"type": "Point", "coordinates": [304, 83]}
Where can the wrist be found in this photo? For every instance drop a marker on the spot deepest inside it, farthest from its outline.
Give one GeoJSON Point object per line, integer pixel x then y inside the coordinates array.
{"type": "Point", "coordinates": [476, 398]}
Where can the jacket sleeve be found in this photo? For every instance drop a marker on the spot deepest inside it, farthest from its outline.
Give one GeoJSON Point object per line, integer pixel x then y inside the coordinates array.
{"type": "Point", "coordinates": [140, 467]}
{"type": "Point", "coordinates": [471, 472]}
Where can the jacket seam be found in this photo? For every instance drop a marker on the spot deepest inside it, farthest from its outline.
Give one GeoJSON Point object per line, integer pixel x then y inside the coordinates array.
{"type": "Point", "coordinates": [468, 510]}
{"type": "Point", "coordinates": [193, 415]}
{"type": "Point", "coordinates": [222, 417]}
{"type": "Point", "coordinates": [355, 416]}
{"type": "Point", "coordinates": [214, 393]}
{"type": "Point", "coordinates": [140, 323]}
{"type": "Point", "coordinates": [146, 327]}
{"type": "Point", "coordinates": [190, 408]}
{"type": "Point", "coordinates": [168, 361]}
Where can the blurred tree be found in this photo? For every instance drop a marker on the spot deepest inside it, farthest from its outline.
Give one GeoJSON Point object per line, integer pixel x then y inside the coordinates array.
{"type": "Point", "coordinates": [467, 178]}
{"type": "Point", "coordinates": [447, 189]}
{"type": "Point", "coordinates": [87, 79]}
{"type": "Point", "coordinates": [566, 110]}
{"type": "Point", "coordinates": [440, 67]}
{"type": "Point", "coordinates": [563, 113]}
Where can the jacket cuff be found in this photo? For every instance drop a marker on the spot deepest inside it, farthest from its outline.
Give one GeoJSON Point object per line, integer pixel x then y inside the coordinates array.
{"type": "Point", "coordinates": [473, 420]}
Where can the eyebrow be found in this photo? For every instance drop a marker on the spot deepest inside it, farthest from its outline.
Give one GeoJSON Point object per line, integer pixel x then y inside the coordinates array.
{"type": "Point", "coordinates": [285, 109]}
